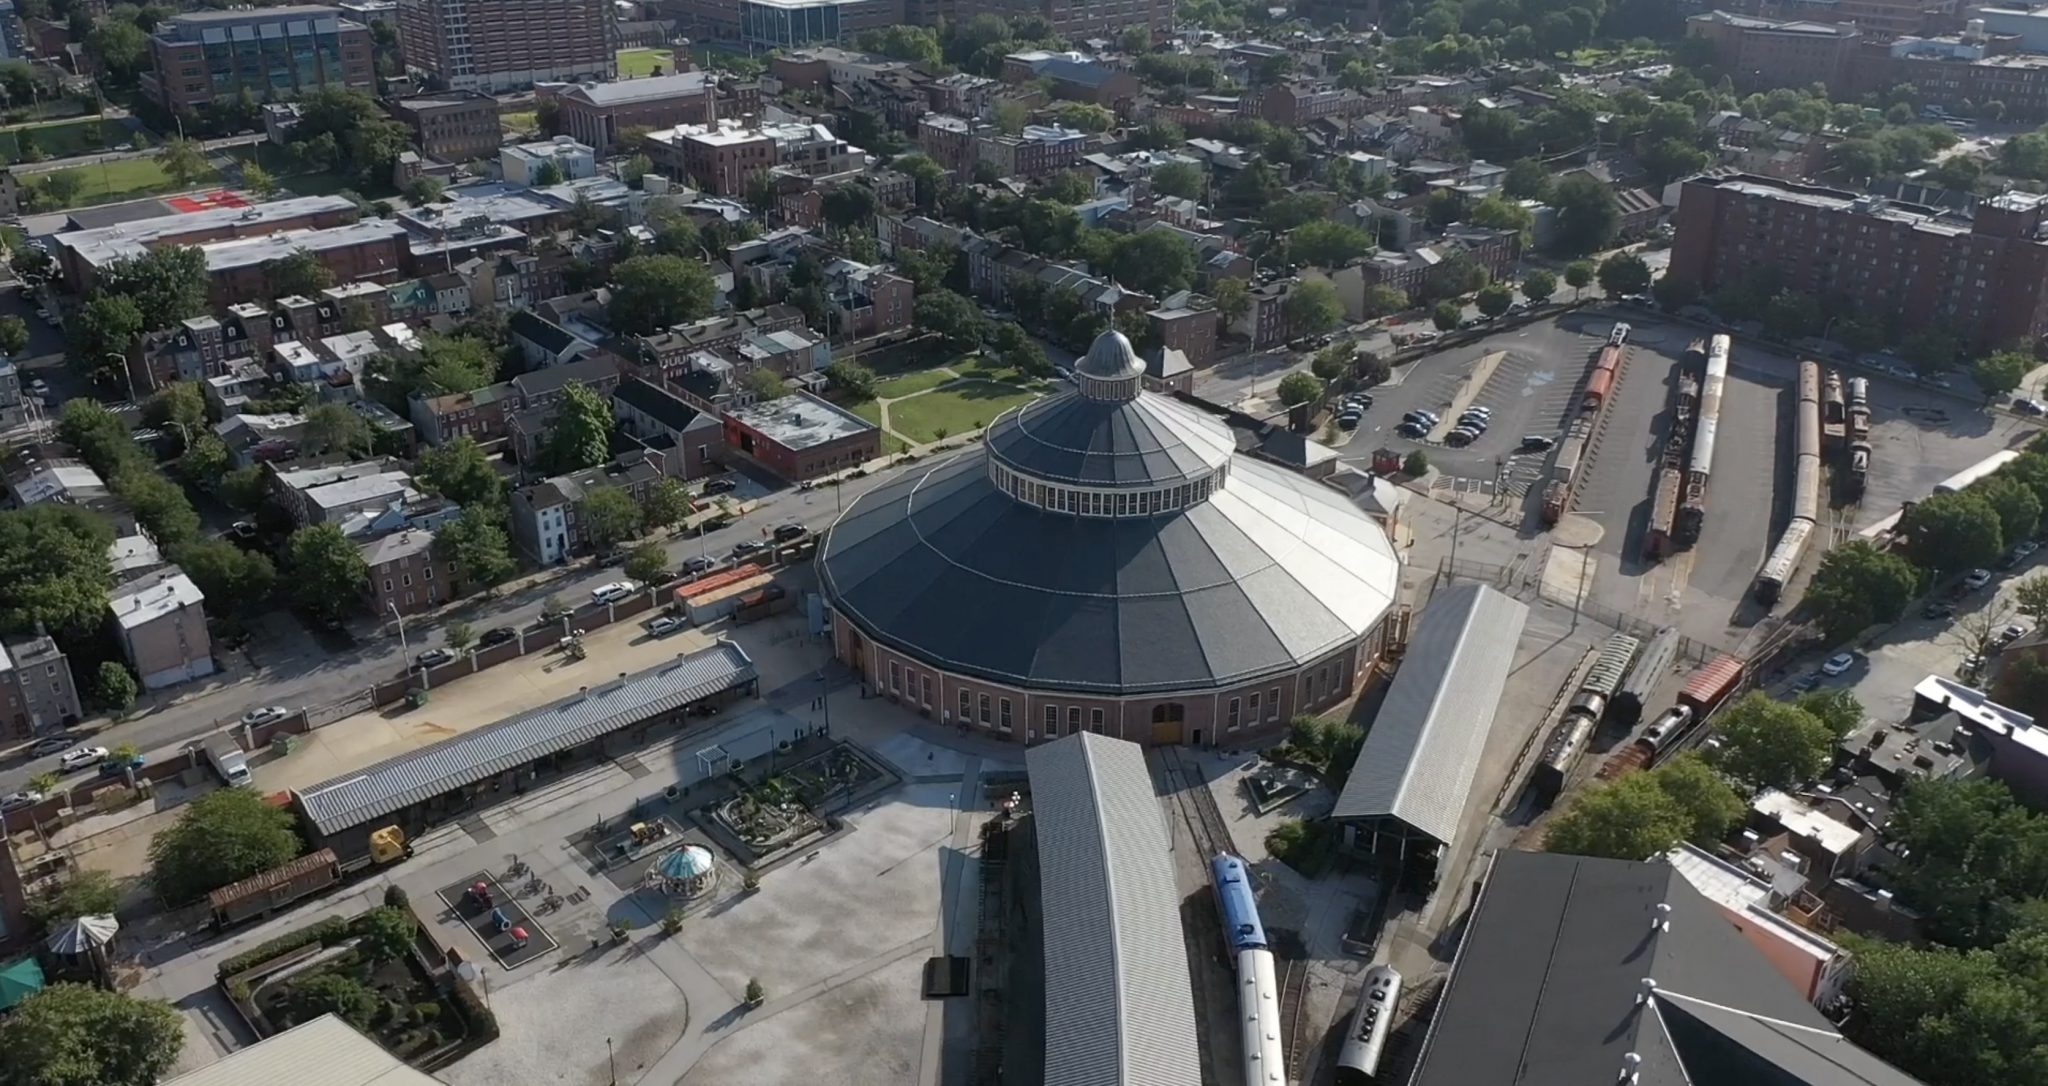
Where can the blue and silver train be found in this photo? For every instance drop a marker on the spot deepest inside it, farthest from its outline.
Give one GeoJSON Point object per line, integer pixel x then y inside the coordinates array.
{"type": "Point", "coordinates": [1258, 991]}
{"type": "Point", "coordinates": [1359, 1060]}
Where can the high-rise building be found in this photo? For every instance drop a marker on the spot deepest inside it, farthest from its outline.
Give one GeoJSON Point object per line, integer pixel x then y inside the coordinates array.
{"type": "Point", "coordinates": [1985, 277]}
{"type": "Point", "coordinates": [501, 45]}
{"type": "Point", "coordinates": [279, 52]}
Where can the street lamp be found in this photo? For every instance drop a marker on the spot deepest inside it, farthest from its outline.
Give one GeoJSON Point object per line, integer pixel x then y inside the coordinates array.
{"type": "Point", "coordinates": [403, 649]}
{"type": "Point", "coordinates": [122, 361]}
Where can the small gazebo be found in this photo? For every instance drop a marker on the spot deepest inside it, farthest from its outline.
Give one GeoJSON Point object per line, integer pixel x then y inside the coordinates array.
{"type": "Point", "coordinates": [686, 872]}
{"type": "Point", "coordinates": [86, 939]}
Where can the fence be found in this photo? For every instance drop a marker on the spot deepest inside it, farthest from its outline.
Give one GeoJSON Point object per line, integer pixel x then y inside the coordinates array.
{"type": "Point", "coordinates": [1524, 580]}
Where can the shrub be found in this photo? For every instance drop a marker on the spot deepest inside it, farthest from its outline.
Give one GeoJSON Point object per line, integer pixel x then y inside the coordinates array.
{"type": "Point", "coordinates": [331, 931]}
{"type": "Point", "coordinates": [395, 897]}
{"type": "Point", "coordinates": [671, 921]}
{"type": "Point", "coordinates": [426, 1012]}
{"type": "Point", "coordinates": [756, 995]}
{"type": "Point", "coordinates": [477, 1018]}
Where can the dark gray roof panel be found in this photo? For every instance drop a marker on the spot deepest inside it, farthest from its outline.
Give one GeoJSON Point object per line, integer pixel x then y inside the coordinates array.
{"type": "Point", "coordinates": [1147, 441]}
{"type": "Point", "coordinates": [396, 783]}
{"type": "Point", "coordinates": [1264, 577]}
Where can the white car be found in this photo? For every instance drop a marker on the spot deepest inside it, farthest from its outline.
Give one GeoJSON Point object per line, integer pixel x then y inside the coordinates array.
{"type": "Point", "coordinates": [1977, 579]}
{"type": "Point", "coordinates": [614, 592]}
{"type": "Point", "coordinates": [1838, 663]}
{"type": "Point", "coordinates": [269, 714]}
{"type": "Point", "coordinates": [80, 757]}
{"type": "Point", "coordinates": [664, 626]}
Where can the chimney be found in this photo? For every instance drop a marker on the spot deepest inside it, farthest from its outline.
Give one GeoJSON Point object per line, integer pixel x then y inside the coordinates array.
{"type": "Point", "coordinates": [1630, 1061]}
{"type": "Point", "coordinates": [1660, 922]}
{"type": "Point", "coordinates": [1884, 901]}
{"type": "Point", "coordinates": [1648, 990]}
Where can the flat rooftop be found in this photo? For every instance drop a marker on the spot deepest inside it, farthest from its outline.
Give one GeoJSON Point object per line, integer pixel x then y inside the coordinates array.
{"type": "Point", "coordinates": [250, 252]}
{"type": "Point", "coordinates": [800, 421]}
{"type": "Point", "coordinates": [143, 601]}
{"type": "Point", "coordinates": [171, 227]}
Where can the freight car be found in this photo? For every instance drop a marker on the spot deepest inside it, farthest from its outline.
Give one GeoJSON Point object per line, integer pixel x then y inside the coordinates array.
{"type": "Point", "coordinates": [1692, 512]}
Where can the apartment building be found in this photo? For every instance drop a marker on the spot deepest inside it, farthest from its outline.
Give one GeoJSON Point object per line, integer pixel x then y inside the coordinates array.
{"type": "Point", "coordinates": [596, 113]}
{"type": "Point", "coordinates": [1985, 278]}
{"type": "Point", "coordinates": [160, 620]}
{"type": "Point", "coordinates": [198, 57]}
{"type": "Point", "coordinates": [801, 436]}
{"type": "Point", "coordinates": [524, 163]}
{"type": "Point", "coordinates": [452, 126]}
{"type": "Point", "coordinates": [546, 525]}
{"type": "Point", "coordinates": [1297, 103]}
{"type": "Point", "coordinates": [80, 253]}
{"type": "Point", "coordinates": [37, 691]}
{"type": "Point", "coordinates": [405, 577]}
{"type": "Point", "coordinates": [950, 142]}
{"type": "Point", "coordinates": [1070, 19]}
{"type": "Point", "coordinates": [502, 45]}
{"type": "Point", "coordinates": [1760, 54]}
{"type": "Point", "coordinates": [722, 159]}
{"type": "Point", "coordinates": [1038, 151]}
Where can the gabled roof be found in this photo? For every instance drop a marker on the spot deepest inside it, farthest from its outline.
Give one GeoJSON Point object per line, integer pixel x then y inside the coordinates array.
{"type": "Point", "coordinates": [1119, 1006]}
{"type": "Point", "coordinates": [1549, 987]}
{"type": "Point", "coordinates": [1417, 762]}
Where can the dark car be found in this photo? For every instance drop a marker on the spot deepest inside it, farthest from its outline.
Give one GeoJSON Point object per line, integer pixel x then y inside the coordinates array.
{"type": "Point", "coordinates": [433, 658]}
{"type": "Point", "coordinates": [699, 563]}
{"type": "Point", "coordinates": [720, 485]}
{"type": "Point", "coordinates": [745, 547]}
{"type": "Point", "coordinates": [1538, 443]}
{"type": "Point", "coordinates": [786, 532]}
{"type": "Point", "coordinates": [1411, 430]}
{"type": "Point", "coordinates": [1938, 609]}
{"type": "Point", "coordinates": [497, 635]}
{"type": "Point", "coordinates": [114, 767]}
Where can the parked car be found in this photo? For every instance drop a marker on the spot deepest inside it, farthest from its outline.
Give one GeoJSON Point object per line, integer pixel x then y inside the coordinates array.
{"type": "Point", "coordinates": [1977, 579]}
{"type": "Point", "coordinates": [268, 714]}
{"type": "Point", "coordinates": [27, 797]}
{"type": "Point", "coordinates": [614, 592]}
{"type": "Point", "coordinates": [664, 626]}
{"type": "Point", "coordinates": [2026, 406]}
{"type": "Point", "coordinates": [1538, 443]}
{"type": "Point", "coordinates": [2009, 635]}
{"type": "Point", "coordinates": [433, 658]}
{"type": "Point", "coordinates": [1460, 437]}
{"type": "Point", "coordinates": [724, 484]}
{"type": "Point", "coordinates": [1938, 609]}
{"type": "Point", "coordinates": [51, 744]}
{"type": "Point", "coordinates": [1839, 663]}
{"type": "Point", "coordinates": [1476, 422]}
{"type": "Point", "coordinates": [497, 635]}
{"type": "Point", "coordinates": [1348, 420]}
{"type": "Point", "coordinates": [1412, 430]}
{"type": "Point", "coordinates": [786, 532]}
{"type": "Point", "coordinates": [1424, 419]}
{"type": "Point", "coordinates": [2025, 548]}
{"type": "Point", "coordinates": [1362, 399]}
{"type": "Point", "coordinates": [745, 547]}
{"type": "Point", "coordinates": [699, 563]}
{"type": "Point", "coordinates": [114, 767]}
{"type": "Point", "coordinates": [80, 757]}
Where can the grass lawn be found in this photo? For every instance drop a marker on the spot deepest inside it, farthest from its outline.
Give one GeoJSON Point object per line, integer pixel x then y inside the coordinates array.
{"type": "Point", "coordinates": [126, 179]}
{"type": "Point", "coordinates": [314, 184]}
{"type": "Point", "coordinates": [525, 120]}
{"type": "Point", "coordinates": [58, 139]}
{"type": "Point", "coordinates": [914, 381]}
{"type": "Point", "coordinates": [872, 411]}
{"type": "Point", "coordinates": [955, 410]}
{"type": "Point", "coordinates": [990, 370]}
{"type": "Point", "coordinates": [635, 63]}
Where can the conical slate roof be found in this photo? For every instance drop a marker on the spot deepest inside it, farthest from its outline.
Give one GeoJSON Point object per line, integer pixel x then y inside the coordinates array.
{"type": "Point", "coordinates": [1259, 572]}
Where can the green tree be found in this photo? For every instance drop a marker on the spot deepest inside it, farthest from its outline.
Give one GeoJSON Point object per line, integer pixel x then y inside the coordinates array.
{"type": "Point", "coordinates": [1312, 306]}
{"type": "Point", "coordinates": [1712, 806]}
{"type": "Point", "coordinates": [1538, 286]}
{"type": "Point", "coordinates": [1629, 819]}
{"type": "Point", "coordinates": [1772, 744]}
{"type": "Point", "coordinates": [665, 505]}
{"type": "Point", "coordinates": [1998, 372]}
{"type": "Point", "coordinates": [610, 517]}
{"type": "Point", "coordinates": [1232, 298]}
{"type": "Point", "coordinates": [1333, 363]}
{"type": "Point", "coordinates": [1415, 465]}
{"type": "Point", "coordinates": [650, 293]}
{"type": "Point", "coordinates": [183, 160]}
{"type": "Point", "coordinates": [53, 558]}
{"type": "Point", "coordinates": [179, 407]}
{"type": "Point", "coordinates": [1010, 116]}
{"type": "Point", "coordinates": [160, 506]}
{"type": "Point", "coordinates": [476, 545]}
{"type": "Point", "coordinates": [1624, 273]}
{"type": "Point", "coordinates": [224, 836]}
{"type": "Point", "coordinates": [85, 893]}
{"type": "Point", "coordinates": [258, 180]}
{"type": "Point", "coordinates": [851, 379]}
{"type": "Point", "coordinates": [1297, 389]}
{"type": "Point", "coordinates": [951, 316]}
{"type": "Point", "coordinates": [1951, 1017]}
{"type": "Point", "coordinates": [1837, 709]}
{"type": "Point", "coordinates": [1495, 299]}
{"type": "Point", "coordinates": [1382, 300]}
{"type": "Point", "coordinates": [1858, 585]}
{"type": "Point", "coordinates": [1587, 216]}
{"type": "Point", "coordinates": [647, 563]}
{"type": "Point", "coordinates": [1179, 178]}
{"type": "Point", "coordinates": [327, 573]}
{"type": "Point", "coordinates": [634, 169]}
{"type": "Point", "coordinates": [167, 284]}
{"type": "Point", "coordinates": [79, 1035]}
{"type": "Point", "coordinates": [335, 993]}
{"type": "Point", "coordinates": [461, 471]}
{"type": "Point", "coordinates": [386, 933]}
{"type": "Point", "coordinates": [1327, 243]}
{"type": "Point", "coordinates": [2032, 595]}
{"type": "Point", "coordinates": [1953, 531]}
{"type": "Point", "coordinates": [1499, 213]}
{"type": "Point", "coordinates": [302, 273]}
{"type": "Point", "coordinates": [100, 333]}
{"type": "Point", "coordinates": [1578, 275]}
{"type": "Point", "coordinates": [113, 688]}
{"type": "Point", "coordinates": [234, 581]}
{"type": "Point", "coordinates": [1446, 316]}
{"type": "Point", "coordinates": [337, 428]}
{"type": "Point", "coordinates": [2019, 511]}
{"type": "Point", "coordinates": [1930, 350]}
{"type": "Point", "coordinates": [13, 335]}
{"type": "Point", "coordinates": [421, 191]}
{"type": "Point", "coordinates": [1154, 261]}
{"type": "Point", "coordinates": [766, 384]}
{"type": "Point", "coordinates": [582, 432]}
{"type": "Point", "coordinates": [848, 206]}
{"type": "Point", "coordinates": [1973, 859]}
{"type": "Point", "coordinates": [1674, 293]}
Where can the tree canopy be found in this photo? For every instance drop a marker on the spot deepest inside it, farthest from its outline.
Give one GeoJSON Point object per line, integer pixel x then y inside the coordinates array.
{"type": "Point", "coordinates": [653, 292]}
{"type": "Point", "coordinates": [1858, 585]}
{"type": "Point", "coordinates": [80, 1035]}
{"type": "Point", "coordinates": [1954, 531]}
{"type": "Point", "coordinates": [1772, 744]}
{"type": "Point", "coordinates": [53, 560]}
{"type": "Point", "coordinates": [1646, 814]}
{"type": "Point", "coordinates": [328, 575]}
{"type": "Point", "coordinates": [224, 836]}
{"type": "Point", "coordinates": [582, 431]}
{"type": "Point", "coordinates": [460, 471]}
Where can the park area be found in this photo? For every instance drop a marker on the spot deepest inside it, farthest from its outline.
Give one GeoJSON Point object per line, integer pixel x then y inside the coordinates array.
{"type": "Point", "coordinates": [104, 182]}
{"type": "Point", "coordinates": [58, 139]}
{"type": "Point", "coordinates": [917, 406]}
{"type": "Point", "coordinates": [638, 63]}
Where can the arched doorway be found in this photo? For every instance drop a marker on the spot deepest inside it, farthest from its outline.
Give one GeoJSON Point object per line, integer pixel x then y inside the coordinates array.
{"type": "Point", "coordinates": [1167, 718]}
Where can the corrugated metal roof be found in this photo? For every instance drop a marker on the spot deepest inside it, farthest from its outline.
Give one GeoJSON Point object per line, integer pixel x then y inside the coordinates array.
{"type": "Point", "coordinates": [465, 759]}
{"type": "Point", "coordinates": [1117, 993]}
{"type": "Point", "coordinates": [1418, 760]}
{"type": "Point", "coordinates": [323, 1052]}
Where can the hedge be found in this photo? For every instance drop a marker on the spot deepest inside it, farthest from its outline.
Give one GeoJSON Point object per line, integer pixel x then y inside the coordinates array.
{"type": "Point", "coordinates": [329, 932]}
{"type": "Point", "coordinates": [483, 1025]}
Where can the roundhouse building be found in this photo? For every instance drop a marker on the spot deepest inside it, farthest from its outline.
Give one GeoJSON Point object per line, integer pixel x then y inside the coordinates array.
{"type": "Point", "coordinates": [1107, 562]}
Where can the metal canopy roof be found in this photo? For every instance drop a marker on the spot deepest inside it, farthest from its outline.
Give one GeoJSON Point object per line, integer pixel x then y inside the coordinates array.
{"type": "Point", "coordinates": [399, 782]}
{"type": "Point", "coordinates": [1418, 759]}
{"type": "Point", "coordinates": [1119, 1006]}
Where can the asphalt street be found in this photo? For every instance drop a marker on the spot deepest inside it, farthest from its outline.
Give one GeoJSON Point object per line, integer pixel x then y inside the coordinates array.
{"type": "Point", "coordinates": [313, 676]}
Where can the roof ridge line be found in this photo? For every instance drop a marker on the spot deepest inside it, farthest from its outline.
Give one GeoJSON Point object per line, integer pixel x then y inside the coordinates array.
{"type": "Point", "coordinates": [1758, 1016]}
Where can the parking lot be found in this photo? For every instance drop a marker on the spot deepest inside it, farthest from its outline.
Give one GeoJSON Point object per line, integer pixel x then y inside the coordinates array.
{"type": "Point", "coordinates": [1528, 387]}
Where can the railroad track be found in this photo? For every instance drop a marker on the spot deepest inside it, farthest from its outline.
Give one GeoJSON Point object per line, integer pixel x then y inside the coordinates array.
{"type": "Point", "coordinates": [1294, 1014]}
{"type": "Point", "coordinates": [1197, 805]}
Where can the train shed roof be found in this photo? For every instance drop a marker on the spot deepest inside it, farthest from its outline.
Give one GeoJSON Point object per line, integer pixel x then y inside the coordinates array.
{"type": "Point", "coordinates": [1117, 993]}
{"type": "Point", "coordinates": [1418, 761]}
{"type": "Point", "coordinates": [396, 783]}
